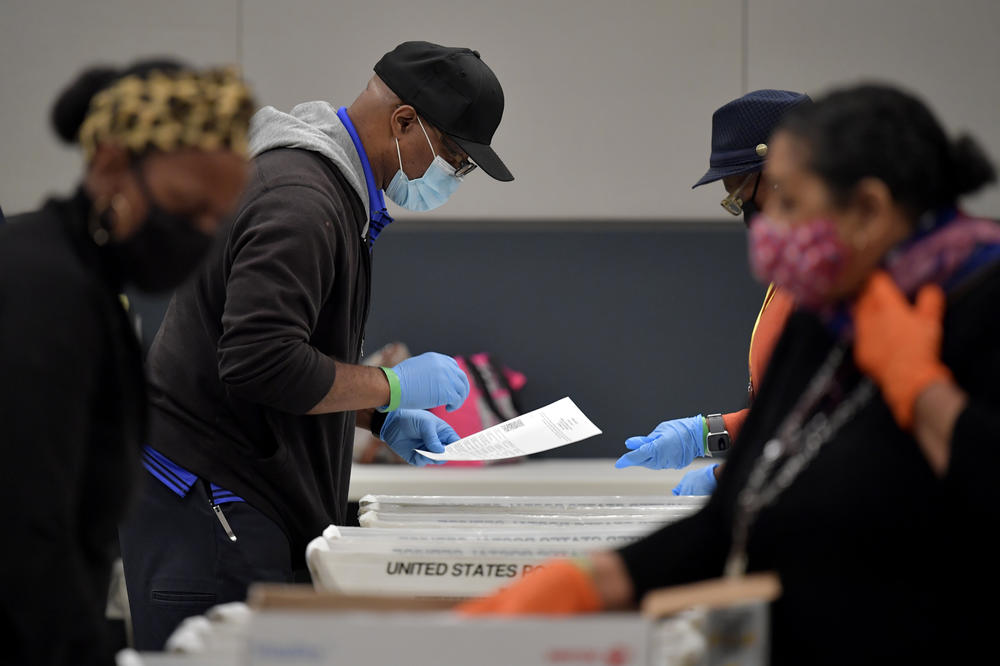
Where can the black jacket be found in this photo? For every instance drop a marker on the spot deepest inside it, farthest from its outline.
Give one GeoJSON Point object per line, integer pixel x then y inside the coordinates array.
{"type": "Point", "coordinates": [72, 410]}
{"type": "Point", "coordinates": [877, 555]}
{"type": "Point", "coordinates": [247, 348]}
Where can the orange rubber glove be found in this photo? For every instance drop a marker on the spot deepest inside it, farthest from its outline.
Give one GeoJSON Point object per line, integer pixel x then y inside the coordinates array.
{"type": "Point", "coordinates": [897, 344]}
{"type": "Point", "coordinates": [558, 587]}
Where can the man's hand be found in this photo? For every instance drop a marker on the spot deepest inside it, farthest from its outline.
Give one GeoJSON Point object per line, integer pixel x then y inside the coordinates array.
{"type": "Point", "coordinates": [406, 430]}
{"type": "Point", "coordinates": [431, 380]}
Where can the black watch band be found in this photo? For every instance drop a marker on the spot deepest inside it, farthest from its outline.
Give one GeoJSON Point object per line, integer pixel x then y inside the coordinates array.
{"type": "Point", "coordinates": [717, 440]}
{"type": "Point", "coordinates": [378, 420]}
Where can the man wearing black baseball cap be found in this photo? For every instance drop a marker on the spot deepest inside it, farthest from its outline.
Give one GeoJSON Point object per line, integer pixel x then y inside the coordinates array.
{"type": "Point", "coordinates": [740, 132]}
{"type": "Point", "coordinates": [255, 382]}
{"type": "Point", "coordinates": [454, 90]}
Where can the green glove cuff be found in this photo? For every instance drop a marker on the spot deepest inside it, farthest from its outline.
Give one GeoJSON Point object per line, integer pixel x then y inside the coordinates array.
{"type": "Point", "coordinates": [704, 435]}
{"type": "Point", "coordinates": [395, 390]}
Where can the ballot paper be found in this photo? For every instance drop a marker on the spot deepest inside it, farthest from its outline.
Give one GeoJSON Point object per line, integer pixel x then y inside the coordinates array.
{"type": "Point", "coordinates": [522, 521]}
{"type": "Point", "coordinates": [550, 427]}
{"type": "Point", "coordinates": [539, 504]}
{"type": "Point", "coordinates": [609, 537]}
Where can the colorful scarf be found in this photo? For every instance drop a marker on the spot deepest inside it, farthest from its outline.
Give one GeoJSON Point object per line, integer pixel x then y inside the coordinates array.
{"type": "Point", "coordinates": [950, 247]}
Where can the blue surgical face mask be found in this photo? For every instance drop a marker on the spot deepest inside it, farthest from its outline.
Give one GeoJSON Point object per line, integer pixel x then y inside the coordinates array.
{"type": "Point", "coordinates": [430, 190]}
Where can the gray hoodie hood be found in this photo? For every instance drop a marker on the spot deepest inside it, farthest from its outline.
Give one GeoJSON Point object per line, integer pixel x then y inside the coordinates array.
{"type": "Point", "coordinates": [311, 126]}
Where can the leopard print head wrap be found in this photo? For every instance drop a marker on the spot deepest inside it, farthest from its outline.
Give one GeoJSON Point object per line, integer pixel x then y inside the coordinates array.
{"type": "Point", "coordinates": [167, 110]}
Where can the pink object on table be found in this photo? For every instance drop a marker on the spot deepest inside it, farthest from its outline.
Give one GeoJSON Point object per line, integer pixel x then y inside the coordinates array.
{"type": "Point", "coordinates": [476, 414]}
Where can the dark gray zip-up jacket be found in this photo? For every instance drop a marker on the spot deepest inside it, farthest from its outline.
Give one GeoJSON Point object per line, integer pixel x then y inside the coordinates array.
{"type": "Point", "coordinates": [248, 347]}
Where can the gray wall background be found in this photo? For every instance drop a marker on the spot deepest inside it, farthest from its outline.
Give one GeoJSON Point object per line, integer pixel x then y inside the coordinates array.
{"type": "Point", "coordinates": [598, 272]}
{"type": "Point", "coordinates": [608, 103]}
{"type": "Point", "coordinates": [636, 322]}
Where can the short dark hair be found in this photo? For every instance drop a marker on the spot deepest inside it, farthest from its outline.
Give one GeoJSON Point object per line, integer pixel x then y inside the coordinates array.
{"type": "Point", "coordinates": [875, 130]}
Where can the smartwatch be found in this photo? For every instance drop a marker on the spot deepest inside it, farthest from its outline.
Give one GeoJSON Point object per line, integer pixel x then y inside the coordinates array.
{"type": "Point", "coordinates": [717, 440]}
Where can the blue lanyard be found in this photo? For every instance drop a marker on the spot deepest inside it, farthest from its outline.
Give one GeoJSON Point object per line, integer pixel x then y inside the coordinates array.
{"type": "Point", "coordinates": [380, 218]}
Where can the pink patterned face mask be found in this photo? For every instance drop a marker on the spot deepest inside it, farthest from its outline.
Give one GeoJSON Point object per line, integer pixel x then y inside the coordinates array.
{"type": "Point", "coordinates": [805, 259]}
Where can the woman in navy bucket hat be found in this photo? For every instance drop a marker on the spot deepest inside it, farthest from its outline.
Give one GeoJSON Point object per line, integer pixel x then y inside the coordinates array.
{"type": "Point", "coordinates": [741, 127]}
{"type": "Point", "coordinates": [740, 132]}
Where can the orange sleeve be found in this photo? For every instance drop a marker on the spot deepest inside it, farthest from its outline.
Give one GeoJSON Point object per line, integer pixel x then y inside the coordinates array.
{"type": "Point", "coordinates": [771, 321]}
{"type": "Point", "coordinates": [734, 422]}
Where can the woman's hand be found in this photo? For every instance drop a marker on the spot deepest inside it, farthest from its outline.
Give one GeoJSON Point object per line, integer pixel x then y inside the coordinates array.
{"type": "Point", "coordinates": [899, 346]}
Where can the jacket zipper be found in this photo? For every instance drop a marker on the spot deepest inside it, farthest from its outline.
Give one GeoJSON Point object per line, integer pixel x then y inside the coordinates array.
{"type": "Point", "coordinates": [217, 509]}
{"type": "Point", "coordinates": [367, 252]}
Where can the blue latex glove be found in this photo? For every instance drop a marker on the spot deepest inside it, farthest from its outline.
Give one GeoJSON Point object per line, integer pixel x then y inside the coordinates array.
{"type": "Point", "coordinates": [672, 445]}
{"type": "Point", "coordinates": [431, 380]}
{"type": "Point", "coordinates": [697, 482]}
{"type": "Point", "coordinates": [406, 430]}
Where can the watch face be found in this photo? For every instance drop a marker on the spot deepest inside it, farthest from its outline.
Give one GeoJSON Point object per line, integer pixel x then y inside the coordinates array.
{"type": "Point", "coordinates": [718, 442]}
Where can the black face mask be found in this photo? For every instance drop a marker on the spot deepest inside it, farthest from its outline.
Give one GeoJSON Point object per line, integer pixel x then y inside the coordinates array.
{"type": "Point", "coordinates": [749, 211]}
{"type": "Point", "coordinates": [750, 208]}
{"type": "Point", "coordinates": [165, 250]}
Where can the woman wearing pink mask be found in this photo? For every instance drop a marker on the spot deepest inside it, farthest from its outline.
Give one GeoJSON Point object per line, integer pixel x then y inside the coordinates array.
{"type": "Point", "coordinates": [865, 470]}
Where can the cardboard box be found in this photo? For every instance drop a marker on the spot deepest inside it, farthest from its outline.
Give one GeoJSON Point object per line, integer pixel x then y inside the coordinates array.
{"type": "Point", "coordinates": [297, 625]}
{"type": "Point", "coordinates": [436, 638]}
{"type": "Point", "coordinates": [407, 566]}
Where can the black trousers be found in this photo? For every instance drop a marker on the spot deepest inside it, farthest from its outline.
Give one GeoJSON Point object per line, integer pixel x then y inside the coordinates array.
{"type": "Point", "coordinates": [179, 560]}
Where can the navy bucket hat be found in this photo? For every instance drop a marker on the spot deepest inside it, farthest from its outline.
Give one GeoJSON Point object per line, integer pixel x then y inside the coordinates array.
{"type": "Point", "coordinates": [740, 130]}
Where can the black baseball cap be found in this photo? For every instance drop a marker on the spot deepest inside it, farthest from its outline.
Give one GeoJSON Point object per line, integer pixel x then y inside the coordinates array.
{"type": "Point", "coordinates": [455, 90]}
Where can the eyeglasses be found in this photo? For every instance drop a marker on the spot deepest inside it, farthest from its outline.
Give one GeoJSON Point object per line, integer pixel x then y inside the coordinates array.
{"type": "Point", "coordinates": [466, 166]}
{"type": "Point", "coordinates": [733, 203]}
